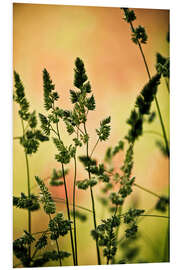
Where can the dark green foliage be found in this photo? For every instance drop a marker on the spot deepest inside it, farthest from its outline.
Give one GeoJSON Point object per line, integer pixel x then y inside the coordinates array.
{"type": "Point", "coordinates": [80, 73]}
{"type": "Point", "coordinates": [132, 214]}
{"type": "Point", "coordinates": [31, 203]}
{"type": "Point", "coordinates": [130, 218]}
{"type": "Point", "coordinates": [32, 120]}
{"type": "Point", "coordinates": [162, 204]}
{"type": "Point", "coordinates": [80, 216]}
{"type": "Point", "coordinates": [46, 199]}
{"type": "Point", "coordinates": [19, 97]}
{"type": "Point", "coordinates": [50, 256]}
{"type": "Point", "coordinates": [30, 140]}
{"type": "Point", "coordinates": [136, 123]}
{"type": "Point", "coordinates": [42, 242]}
{"type": "Point", "coordinates": [104, 131]}
{"type": "Point", "coordinates": [139, 35]}
{"type": "Point", "coordinates": [74, 95]}
{"type": "Point", "coordinates": [163, 65]}
{"type": "Point", "coordinates": [151, 117]}
{"type": "Point", "coordinates": [31, 137]}
{"type": "Point", "coordinates": [90, 103]}
{"type": "Point", "coordinates": [64, 154]}
{"type": "Point", "coordinates": [129, 15]}
{"type": "Point", "coordinates": [106, 236]}
{"type": "Point", "coordinates": [45, 125]}
{"type": "Point", "coordinates": [49, 95]}
{"type": "Point", "coordinates": [58, 226]}
{"type": "Point", "coordinates": [118, 147]}
{"type": "Point", "coordinates": [86, 183]}
{"type": "Point", "coordinates": [56, 176]}
{"type": "Point", "coordinates": [20, 248]}
{"type": "Point", "coordinates": [143, 103]}
{"type": "Point", "coordinates": [144, 100]}
{"type": "Point", "coordinates": [116, 198]}
{"type": "Point", "coordinates": [131, 232]}
{"type": "Point", "coordinates": [54, 256]}
{"type": "Point", "coordinates": [87, 161]}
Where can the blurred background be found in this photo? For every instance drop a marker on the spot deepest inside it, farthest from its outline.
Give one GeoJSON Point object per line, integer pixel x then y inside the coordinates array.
{"type": "Point", "coordinates": [51, 37]}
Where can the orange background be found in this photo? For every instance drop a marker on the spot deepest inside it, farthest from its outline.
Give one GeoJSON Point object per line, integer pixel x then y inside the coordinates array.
{"type": "Point", "coordinates": [51, 37]}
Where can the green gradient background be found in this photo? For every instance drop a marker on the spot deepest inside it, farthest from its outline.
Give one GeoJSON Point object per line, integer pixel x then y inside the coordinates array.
{"type": "Point", "coordinates": [52, 36]}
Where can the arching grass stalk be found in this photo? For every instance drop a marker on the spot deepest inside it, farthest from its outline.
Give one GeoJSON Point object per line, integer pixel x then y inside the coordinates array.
{"type": "Point", "coordinates": [129, 18]}
{"type": "Point", "coordinates": [147, 190]}
{"type": "Point", "coordinates": [92, 200]}
{"type": "Point", "coordinates": [28, 189]}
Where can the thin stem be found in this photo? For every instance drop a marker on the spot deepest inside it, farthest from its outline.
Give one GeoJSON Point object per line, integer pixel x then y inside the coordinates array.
{"type": "Point", "coordinates": [153, 132]}
{"type": "Point", "coordinates": [68, 213]}
{"type": "Point", "coordinates": [29, 191]}
{"type": "Point", "coordinates": [94, 147]}
{"type": "Point", "coordinates": [67, 201]}
{"type": "Point", "coordinates": [156, 100]}
{"type": "Point", "coordinates": [92, 200]}
{"type": "Point", "coordinates": [147, 190]}
{"type": "Point", "coordinates": [57, 245]}
{"type": "Point", "coordinates": [78, 206]}
{"type": "Point", "coordinates": [74, 209]}
{"type": "Point", "coordinates": [154, 216]}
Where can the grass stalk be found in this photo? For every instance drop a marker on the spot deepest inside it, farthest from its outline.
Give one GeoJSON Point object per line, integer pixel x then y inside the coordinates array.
{"type": "Point", "coordinates": [29, 191]}
{"type": "Point", "coordinates": [67, 202]}
{"type": "Point", "coordinates": [74, 210]}
{"type": "Point", "coordinates": [156, 100]}
{"type": "Point", "coordinates": [147, 190]}
{"type": "Point", "coordinates": [93, 202]}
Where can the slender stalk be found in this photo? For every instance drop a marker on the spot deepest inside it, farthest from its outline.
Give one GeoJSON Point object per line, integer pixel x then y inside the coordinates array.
{"type": "Point", "coordinates": [68, 214]}
{"type": "Point", "coordinates": [78, 206]}
{"type": "Point", "coordinates": [147, 190]}
{"type": "Point", "coordinates": [154, 216]}
{"type": "Point", "coordinates": [74, 209]}
{"type": "Point", "coordinates": [92, 200]}
{"type": "Point", "coordinates": [94, 147]}
{"type": "Point", "coordinates": [153, 132]}
{"type": "Point", "coordinates": [67, 202]}
{"type": "Point", "coordinates": [57, 245]}
{"type": "Point", "coordinates": [29, 191]}
{"type": "Point", "coordinates": [156, 100]}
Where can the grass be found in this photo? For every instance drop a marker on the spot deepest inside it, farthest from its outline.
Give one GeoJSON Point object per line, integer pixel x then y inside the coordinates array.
{"type": "Point", "coordinates": [114, 237]}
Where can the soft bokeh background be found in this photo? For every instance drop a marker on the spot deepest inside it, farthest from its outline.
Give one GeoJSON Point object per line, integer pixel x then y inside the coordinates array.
{"type": "Point", "coordinates": [52, 36]}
